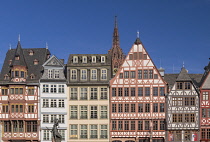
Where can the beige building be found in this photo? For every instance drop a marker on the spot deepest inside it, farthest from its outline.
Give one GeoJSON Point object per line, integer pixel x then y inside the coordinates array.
{"type": "Point", "coordinates": [88, 78]}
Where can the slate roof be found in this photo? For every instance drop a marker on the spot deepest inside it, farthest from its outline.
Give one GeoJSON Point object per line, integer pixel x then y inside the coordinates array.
{"type": "Point", "coordinates": [39, 54]}
{"type": "Point", "coordinates": [207, 69]}
{"type": "Point", "coordinates": [183, 75]}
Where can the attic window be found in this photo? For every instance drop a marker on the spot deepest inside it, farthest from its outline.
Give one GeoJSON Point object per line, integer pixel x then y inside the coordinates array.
{"type": "Point", "coordinates": [32, 76]}
{"type": "Point", "coordinates": [6, 77]}
{"type": "Point", "coordinates": [93, 59]}
{"type": "Point", "coordinates": [31, 52]}
{"type": "Point", "coordinates": [103, 59]}
{"type": "Point", "coordinates": [17, 57]}
{"type": "Point", "coordinates": [75, 59]}
{"type": "Point", "coordinates": [36, 62]}
{"type": "Point", "coordinates": [84, 59]}
{"type": "Point", "coordinates": [10, 62]}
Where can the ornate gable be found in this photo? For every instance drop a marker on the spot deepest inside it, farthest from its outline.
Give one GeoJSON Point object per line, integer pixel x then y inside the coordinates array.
{"type": "Point", "coordinates": [53, 61]}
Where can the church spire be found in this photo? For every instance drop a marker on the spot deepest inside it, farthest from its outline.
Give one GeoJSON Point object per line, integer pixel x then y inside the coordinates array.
{"type": "Point", "coordinates": [116, 41]}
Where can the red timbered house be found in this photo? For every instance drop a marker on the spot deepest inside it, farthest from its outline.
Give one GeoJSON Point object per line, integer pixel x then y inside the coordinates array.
{"type": "Point", "coordinates": [205, 105]}
{"type": "Point", "coordinates": [19, 97]}
{"type": "Point", "coordinates": [137, 99]}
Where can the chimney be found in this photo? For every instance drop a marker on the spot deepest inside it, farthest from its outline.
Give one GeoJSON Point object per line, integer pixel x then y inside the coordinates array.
{"type": "Point", "coordinates": [161, 71]}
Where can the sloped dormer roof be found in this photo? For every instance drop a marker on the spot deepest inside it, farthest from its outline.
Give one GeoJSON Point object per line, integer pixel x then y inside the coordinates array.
{"type": "Point", "coordinates": [183, 75]}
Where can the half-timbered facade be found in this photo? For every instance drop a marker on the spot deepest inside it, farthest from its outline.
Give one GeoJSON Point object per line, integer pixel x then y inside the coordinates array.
{"type": "Point", "coordinates": [182, 107]}
{"type": "Point", "coordinates": [53, 99]}
{"type": "Point", "coordinates": [19, 93]}
{"type": "Point", "coordinates": [205, 105]}
{"type": "Point", "coordinates": [88, 78]}
{"type": "Point", "coordinates": [137, 99]}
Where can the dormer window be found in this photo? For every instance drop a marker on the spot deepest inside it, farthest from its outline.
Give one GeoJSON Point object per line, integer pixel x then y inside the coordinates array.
{"type": "Point", "coordinates": [6, 77]}
{"type": "Point", "coordinates": [103, 59]}
{"type": "Point", "coordinates": [75, 59]}
{"type": "Point", "coordinates": [32, 76]}
{"type": "Point", "coordinates": [10, 62]}
{"type": "Point", "coordinates": [36, 62]}
{"type": "Point", "coordinates": [93, 59]}
{"type": "Point", "coordinates": [17, 57]}
{"type": "Point", "coordinates": [31, 52]}
{"type": "Point", "coordinates": [84, 59]}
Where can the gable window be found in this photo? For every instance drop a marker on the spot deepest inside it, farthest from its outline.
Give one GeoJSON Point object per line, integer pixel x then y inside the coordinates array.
{"type": "Point", "coordinates": [93, 59]}
{"type": "Point", "coordinates": [83, 74]}
{"type": "Point", "coordinates": [56, 73]}
{"type": "Point", "coordinates": [84, 59]}
{"type": "Point", "coordinates": [93, 74]}
{"type": "Point", "coordinates": [155, 91]}
{"type": "Point", "coordinates": [73, 74]}
{"type": "Point", "coordinates": [103, 74]}
{"type": "Point", "coordinates": [162, 91]}
{"type": "Point", "coordinates": [75, 59]}
{"type": "Point", "coordinates": [150, 74]}
{"type": "Point", "coordinates": [145, 74]}
{"type": "Point", "coordinates": [103, 59]}
{"type": "Point", "coordinates": [50, 74]}
{"type": "Point", "coordinates": [179, 85]}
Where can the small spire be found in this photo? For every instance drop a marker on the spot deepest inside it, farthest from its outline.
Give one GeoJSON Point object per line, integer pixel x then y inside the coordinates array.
{"type": "Point", "coordinates": [10, 46]}
{"type": "Point", "coordinates": [115, 22]}
{"type": "Point", "coordinates": [183, 64]}
{"type": "Point", "coordinates": [19, 37]}
{"type": "Point", "coordinates": [46, 45]}
{"type": "Point", "coordinates": [137, 33]}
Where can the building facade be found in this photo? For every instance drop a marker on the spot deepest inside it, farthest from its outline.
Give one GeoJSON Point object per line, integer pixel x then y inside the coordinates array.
{"type": "Point", "coordinates": [19, 93]}
{"type": "Point", "coordinates": [116, 52]}
{"type": "Point", "coordinates": [137, 99]}
{"type": "Point", "coordinates": [53, 99]}
{"type": "Point", "coordinates": [205, 106]}
{"type": "Point", "coordinates": [183, 108]}
{"type": "Point", "coordinates": [88, 78]}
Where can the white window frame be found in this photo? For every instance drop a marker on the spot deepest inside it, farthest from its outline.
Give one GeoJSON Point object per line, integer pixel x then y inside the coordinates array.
{"type": "Point", "coordinates": [45, 118]}
{"type": "Point", "coordinates": [83, 112]}
{"type": "Point", "coordinates": [45, 103]}
{"type": "Point", "coordinates": [83, 74]}
{"type": "Point", "coordinates": [103, 74]}
{"type": "Point", "coordinates": [103, 112]}
{"type": "Point", "coordinates": [103, 130]}
{"type": "Point", "coordinates": [104, 93]}
{"type": "Point", "coordinates": [61, 118]}
{"type": "Point", "coordinates": [103, 59]}
{"type": "Point", "coordinates": [61, 89]}
{"type": "Point", "coordinates": [93, 131]}
{"type": "Point", "coordinates": [205, 96]}
{"type": "Point", "coordinates": [93, 74]}
{"type": "Point", "coordinates": [61, 103]}
{"type": "Point", "coordinates": [50, 73]}
{"type": "Point", "coordinates": [75, 59]}
{"type": "Point", "coordinates": [83, 93]}
{"type": "Point", "coordinates": [56, 74]}
{"type": "Point", "coordinates": [46, 135]}
{"type": "Point", "coordinates": [73, 112]}
{"type": "Point", "coordinates": [73, 93]}
{"type": "Point", "coordinates": [45, 88]}
{"type": "Point", "coordinates": [93, 59]}
{"type": "Point", "coordinates": [53, 88]}
{"type": "Point", "coordinates": [73, 74]}
{"type": "Point", "coordinates": [73, 131]}
{"type": "Point", "coordinates": [94, 93]}
{"type": "Point", "coordinates": [84, 59]}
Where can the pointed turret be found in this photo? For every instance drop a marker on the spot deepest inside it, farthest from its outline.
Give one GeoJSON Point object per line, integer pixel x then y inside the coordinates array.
{"type": "Point", "coordinates": [18, 58]}
{"type": "Point", "coordinates": [183, 75]}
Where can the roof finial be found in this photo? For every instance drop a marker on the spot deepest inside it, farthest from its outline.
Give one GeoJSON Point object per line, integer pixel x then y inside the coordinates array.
{"type": "Point", "coordinates": [46, 45]}
{"type": "Point", "coordinates": [137, 33]}
{"type": "Point", "coordinates": [115, 21]}
{"type": "Point", "coordinates": [183, 64]}
{"type": "Point", "coordinates": [10, 46]}
{"type": "Point", "coordinates": [19, 37]}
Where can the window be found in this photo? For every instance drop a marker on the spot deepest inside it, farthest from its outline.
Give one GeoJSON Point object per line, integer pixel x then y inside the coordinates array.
{"type": "Point", "coordinates": [83, 131]}
{"type": "Point", "coordinates": [133, 123]}
{"type": "Point", "coordinates": [73, 112]}
{"type": "Point", "coordinates": [147, 91]}
{"type": "Point", "coordinates": [192, 101]}
{"type": "Point", "coordinates": [45, 118]}
{"type": "Point", "coordinates": [162, 91]}
{"type": "Point", "coordinates": [179, 117]}
{"type": "Point", "coordinates": [133, 74]}
{"type": "Point", "coordinates": [145, 74]}
{"type": "Point", "coordinates": [126, 74]}
{"type": "Point", "coordinates": [16, 90]}
{"type": "Point", "coordinates": [192, 117]}
{"type": "Point", "coordinates": [30, 108]}
{"type": "Point", "coordinates": [187, 135]}
{"type": "Point", "coordinates": [150, 74]}
{"type": "Point", "coordinates": [126, 107]}
{"type": "Point", "coordinates": [103, 74]}
{"type": "Point", "coordinates": [133, 91]}
{"type": "Point", "coordinates": [45, 88]}
{"type": "Point", "coordinates": [179, 85]}
{"type": "Point", "coordinates": [50, 74]}
{"type": "Point", "coordinates": [73, 131]}
{"type": "Point", "coordinates": [73, 94]}
{"type": "Point", "coordinates": [104, 113]}
{"type": "Point", "coordinates": [120, 108]}
{"type": "Point", "coordinates": [155, 107]}
{"type": "Point", "coordinates": [83, 93]}
{"type": "Point", "coordinates": [145, 56]}
{"type": "Point", "coordinates": [36, 62]}
{"type": "Point", "coordinates": [187, 117]}
{"type": "Point", "coordinates": [16, 73]}
{"type": "Point", "coordinates": [7, 126]}
{"type": "Point", "coordinates": [114, 108]}
{"type": "Point", "coordinates": [186, 101]}
{"type": "Point", "coordinates": [61, 103]}
{"type": "Point", "coordinates": [53, 103]}
{"type": "Point", "coordinates": [140, 107]}
{"type": "Point", "coordinates": [93, 74]}
{"type": "Point", "coordinates": [31, 91]}
{"type": "Point", "coordinates": [147, 107]}
{"type": "Point", "coordinates": [75, 59]}
{"type": "Point", "coordinates": [162, 107]}
{"type": "Point", "coordinates": [203, 133]}
{"type": "Point", "coordinates": [5, 108]}
{"type": "Point", "coordinates": [4, 91]}
{"type": "Point", "coordinates": [31, 126]}
{"type": "Point", "coordinates": [73, 74]}
{"type": "Point", "coordinates": [205, 95]}
{"type": "Point", "coordinates": [45, 103]}
{"type": "Point", "coordinates": [22, 74]}
{"type": "Point", "coordinates": [84, 59]}
{"type": "Point", "coordinates": [103, 94]}
{"type": "Point", "coordinates": [60, 88]}
{"type": "Point", "coordinates": [113, 92]}
{"type": "Point", "coordinates": [187, 85]}
{"type": "Point", "coordinates": [93, 131]}
{"type": "Point", "coordinates": [121, 75]}
{"type": "Point", "coordinates": [155, 91]}
{"type": "Point", "coordinates": [208, 112]}
{"type": "Point", "coordinates": [126, 125]}
{"type": "Point", "coordinates": [53, 89]}
{"type": "Point", "coordinates": [120, 125]}
{"type": "Point", "coordinates": [120, 92]}
{"type": "Point", "coordinates": [93, 59]}
{"type": "Point", "coordinates": [83, 112]}
{"type": "Point", "coordinates": [146, 127]}
{"type": "Point", "coordinates": [56, 73]}
{"type": "Point", "coordinates": [93, 93]}
{"type": "Point", "coordinates": [62, 133]}
{"type": "Point", "coordinates": [126, 92]}
{"type": "Point", "coordinates": [104, 132]}
{"type": "Point", "coordinates": [130, 56]}
{"type": "Point", "coordinates": [61, 118]}
{"type": "Point", "coordinates": [140, 91]}
{"type": "Point", "coordinates": [162, 125]}
{"type": "Point", "coordinates": [83, 74]}
{"type": "Point", "coordinates": [133, 108]}
{"type": "Point", "coordinates": [46, 135]}
{"type": "Point", "coordinates": [139, 74]}
{"type": "Point", "coordinates": [155, 125]}
{"type": "Point", "coordinates": [174, 117]}
{"type": "Point", "coordinates": [140, 125]}
{"type": "Point", "coordinates": [114, 125]}
{"type": "Point", "coordinates": [93, 112]}
{"type": "Point", "coordinates": [103, 59]}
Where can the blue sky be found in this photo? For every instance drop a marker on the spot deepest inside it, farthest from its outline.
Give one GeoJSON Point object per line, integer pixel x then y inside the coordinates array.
{"type": "Point", "coordinates": [172, 31]}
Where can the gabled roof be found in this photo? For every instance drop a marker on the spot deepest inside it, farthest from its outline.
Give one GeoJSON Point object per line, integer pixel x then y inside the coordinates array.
{"type": "Point", "coordinates": [183, 75]}
{"type": "Point", "coordinates": [205, 81]}
{"type": "Point", "coordinates": [53, 61]}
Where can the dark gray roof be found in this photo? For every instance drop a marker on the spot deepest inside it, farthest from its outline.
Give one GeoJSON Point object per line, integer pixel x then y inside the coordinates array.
{"type": "Point", "coordinates": [138, 41]}
{"type": "Point", "coordinates": [39, 54]}
{"type": "Point", "coordinates": [172, 78]}
{"type": "Point", "coordinates": [207, 69]}
{"type": "Point", "coordinates": [183, 75]}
